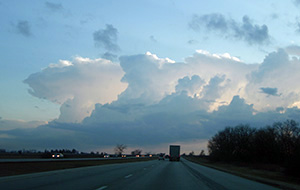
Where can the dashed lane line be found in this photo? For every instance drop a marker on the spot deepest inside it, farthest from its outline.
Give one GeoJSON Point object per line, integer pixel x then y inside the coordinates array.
{"type": "Point", "coordinates": [101, 188]}
{"type": "Point", "coordinates": [128, 176]}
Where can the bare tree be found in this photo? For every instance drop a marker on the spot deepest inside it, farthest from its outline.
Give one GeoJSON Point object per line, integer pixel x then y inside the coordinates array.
{"type": "Point", "coordinates": [202, 153]}
{"type": "Point", "coordinates": [136, 152]}
{"type": "Point", "coordinates": [119, 149]}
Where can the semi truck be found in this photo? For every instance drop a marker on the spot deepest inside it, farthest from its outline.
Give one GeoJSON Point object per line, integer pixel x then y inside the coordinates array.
{"type": "Point", "coordinates": [174, 153]}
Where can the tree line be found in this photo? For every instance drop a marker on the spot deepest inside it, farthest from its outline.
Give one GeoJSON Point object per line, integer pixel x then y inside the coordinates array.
{"type": "Point", "coordinates": [275, 144]}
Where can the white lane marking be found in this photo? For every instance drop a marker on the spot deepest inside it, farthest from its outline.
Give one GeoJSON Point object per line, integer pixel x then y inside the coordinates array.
{"type": "Point", "coordinates": [128, 176]}
{"type": "Point", "coordinates": [145, 168]}
{"type": "Point", "coordinates": [101, 188]}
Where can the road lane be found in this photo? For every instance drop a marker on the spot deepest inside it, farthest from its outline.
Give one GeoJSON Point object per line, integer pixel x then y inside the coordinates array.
{"type": "Point", "coordinates": [140, 175]}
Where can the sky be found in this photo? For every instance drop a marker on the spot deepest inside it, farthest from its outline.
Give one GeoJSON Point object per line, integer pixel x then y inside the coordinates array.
{"type": "Point", "coordinates": [93, 74]}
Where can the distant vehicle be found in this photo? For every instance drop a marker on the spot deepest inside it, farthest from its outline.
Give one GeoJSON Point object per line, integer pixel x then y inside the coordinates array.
{"type": "Point", "coordinates": [123, 156]}
{"type": "Point", "coordinates": [161, 157]}
{"type": "Point", "coordinates": [57, 155]}
{"type": "Point", "coordinates": [106, 156]}
{"type": "Point", "coordinates": [174, 153]}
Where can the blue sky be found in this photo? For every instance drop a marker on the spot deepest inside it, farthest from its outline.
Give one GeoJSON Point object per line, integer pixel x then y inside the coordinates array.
{"type": "Point", "coordinates": [61, 58]}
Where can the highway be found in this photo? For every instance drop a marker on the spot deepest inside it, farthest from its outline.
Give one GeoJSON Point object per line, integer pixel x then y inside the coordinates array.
{"type": "Point", "coordinates": [138, 175]}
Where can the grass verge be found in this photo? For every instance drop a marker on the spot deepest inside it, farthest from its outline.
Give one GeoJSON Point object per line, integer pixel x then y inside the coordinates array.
{"type": "Point", "coordinates": [274, 177]}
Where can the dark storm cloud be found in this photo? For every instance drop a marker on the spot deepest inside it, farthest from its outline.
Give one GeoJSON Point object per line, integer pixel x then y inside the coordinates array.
{"type": "Point", "coordinates": [107, 38]}
{"type": "Point", "coordinates": [141, 125]}
{"type": "Point", "coordinates": [270, 91]}
{"type": "Point", "coordinates": [54, 6]}
{"type": "Point", "coordinates": [23, 27]}
{"type": "Point", "coordinates": [229, 28]}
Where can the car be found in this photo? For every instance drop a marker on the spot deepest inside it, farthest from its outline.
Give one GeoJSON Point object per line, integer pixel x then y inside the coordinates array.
{"type": "Point", "coordinates": [161, 158]}
{"type": "Point", "coordinates": [106, 156]}
{"type": "Point", "coordinates": [57, 155]}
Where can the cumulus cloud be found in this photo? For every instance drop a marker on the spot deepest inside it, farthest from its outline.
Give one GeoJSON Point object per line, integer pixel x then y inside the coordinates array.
{"type": "Point", "coordinates": [107, 38]}
{"type": "Point", "coordinates": [191, 85]}
{"type": "Point", "coordinates": [155, 95]}
{"type": "Point", "coordinates": [151, 78]}
{"type": "Point", "coordinates": [77, 85]}
{"type": "Point", "coordinates": [279, 70]}
{"type": "Point", "coordinates": [23, 27]}
{"type": "Point", "coordinates": [227, 27]}
{"type": "Point", "coordinates": [163, 101]}
{"type": "Point", "coordinates": [214, 89]}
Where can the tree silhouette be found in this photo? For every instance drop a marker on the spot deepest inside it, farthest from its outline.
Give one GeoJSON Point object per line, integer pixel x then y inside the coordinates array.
{"type": "Point", "coordinates": [277, 144]}
{"type": "Point", "coordinates": [136, 152]}
{"type": "Point", "coordinates": [119, 149]}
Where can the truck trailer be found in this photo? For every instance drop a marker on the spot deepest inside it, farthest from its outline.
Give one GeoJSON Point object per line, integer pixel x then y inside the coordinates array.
{"type": "Point", "coordinates": [174, 153]}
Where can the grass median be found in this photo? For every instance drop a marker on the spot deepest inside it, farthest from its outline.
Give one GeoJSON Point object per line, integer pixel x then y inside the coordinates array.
{"type": "Point", "coordinates": [17, 168]}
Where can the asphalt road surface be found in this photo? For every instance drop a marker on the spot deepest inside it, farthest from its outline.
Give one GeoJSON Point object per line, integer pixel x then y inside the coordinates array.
{"type": "Point", "coordinates": [139, 175]}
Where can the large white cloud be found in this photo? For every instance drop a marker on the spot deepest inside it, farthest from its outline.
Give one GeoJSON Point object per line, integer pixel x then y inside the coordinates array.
{"type": "Point", "coordinates": [164, 102]}
{"type": "Point", "coordinates": [151, 78]}
{"type": "Point", "coordinates": [77, 85]}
